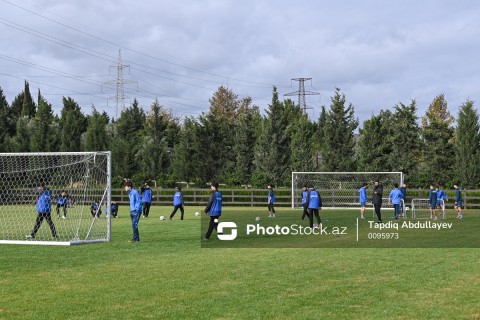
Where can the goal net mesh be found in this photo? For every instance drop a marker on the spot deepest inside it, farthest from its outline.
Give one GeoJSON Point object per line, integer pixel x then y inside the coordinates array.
{"type": "Point", "coordinates": [421, 209]}
{"type": "Point", "coordinates": [341, 189]}
{"type": "Point", "coordinates": [83, 179]}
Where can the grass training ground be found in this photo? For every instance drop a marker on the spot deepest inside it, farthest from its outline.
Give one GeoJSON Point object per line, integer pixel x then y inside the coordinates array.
{"type": "Point", "coordinates": [173, 274]}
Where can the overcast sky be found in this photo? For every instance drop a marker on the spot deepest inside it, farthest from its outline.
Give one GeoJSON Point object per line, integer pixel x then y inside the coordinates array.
{"type": "Point", "coordinates": [379, 53]}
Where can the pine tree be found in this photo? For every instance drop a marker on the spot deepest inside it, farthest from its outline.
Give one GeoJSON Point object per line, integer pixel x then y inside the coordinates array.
{"type": "Point", "coordinates": [405, 155]}
{"type": "Point", "coordinates": [467, 146]}
{"type": "Point", "coordinates": [272, 149]}
{"type": "Point", "coordinates": [72, 125]}
{"type": "Point", "coordinates": [339, 143]}
{"type": "Point", "coordinates": [5, 122]}
{"type": "Point", "coordinates": [438, 152]}
{"type": "Point", "coordinates": [44, 134]}
{"type": "Point", "coordinates": [127, 141]}
{"type": "Point", "coordinates": [96, 136]}
{"type": "Point", "coordinates": [28, 105]}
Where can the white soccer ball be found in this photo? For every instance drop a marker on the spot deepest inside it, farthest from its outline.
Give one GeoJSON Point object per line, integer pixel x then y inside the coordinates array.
{"type": "Point", "coordinates": [197, 214]}
{"type": "Point", "coordinates": [407, 208]}
{"type": "Point", "coordinates": [162, 218]}
{"type": "Point", "coordinates": [257, 219]}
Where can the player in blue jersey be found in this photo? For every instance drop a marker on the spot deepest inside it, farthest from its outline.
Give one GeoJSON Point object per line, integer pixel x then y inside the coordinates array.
{"type": "Point", "coordinates": [146, 199]}
{"type": "Point", "coordinates": [177, 203]}
{"type": "Point", "coordinates": [314, 202]}
{"type": "Point", "coordinates": [271, 201]}
{"type": "Point", "coordinates": [213, 209]}
{"type": "Point", "coordinates": [304, 202]}
{"type": "Point", "coordinates": [395, 198]}
{"type": "Point", "coordinates": [363, 199]}
{"type": "Point", "coordinates": [135, 209]}
{"type": "Point", "coordinates": [432, 198]}
{"type": "Point", "coordinates": [441, 199]}
{"type": "Point", "coordinates": [458, 200]}
{"type": "Point", "coordinates": [62, 203]}
{"type": "Point", "coordinates": [44, 211]}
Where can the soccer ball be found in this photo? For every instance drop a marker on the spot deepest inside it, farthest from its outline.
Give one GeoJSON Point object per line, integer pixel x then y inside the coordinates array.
{"type": "Point", "coordinates": [257, 219]}
{"type": "Point", "coordinates": [407, 208]}
{"type": "Point", "coordinates": [162, 218]}
{"type": "Point", "coordinates": [197, 214]}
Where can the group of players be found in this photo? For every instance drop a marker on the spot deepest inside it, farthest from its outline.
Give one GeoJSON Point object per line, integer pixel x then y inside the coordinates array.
{"type": "Point", "coordinates": [437, 198]}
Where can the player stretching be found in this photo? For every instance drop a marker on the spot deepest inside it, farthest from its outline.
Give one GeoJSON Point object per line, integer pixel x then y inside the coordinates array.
{"type": "Point", "coordinates": [441, 199]}
{"type": "Point", "coordinates": [458, 200]}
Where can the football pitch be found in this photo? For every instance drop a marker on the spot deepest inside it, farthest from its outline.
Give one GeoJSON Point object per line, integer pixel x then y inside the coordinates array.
{"type": "Point", "coordinates": [174, 274]}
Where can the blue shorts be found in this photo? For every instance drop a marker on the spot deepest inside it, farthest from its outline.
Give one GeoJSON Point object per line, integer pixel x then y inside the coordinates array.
{"type": "Point", "coordinates": [458, 204]}
{"type": "Point", "coordinates": [433, 205]}
{"type": "Point", "coordinates": [363, 204]}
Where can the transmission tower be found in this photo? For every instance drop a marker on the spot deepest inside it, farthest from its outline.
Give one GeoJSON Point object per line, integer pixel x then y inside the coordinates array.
{"type": "Point", "coordinates": [119, 83]}
{"type": "Point", "coordinates": [302, 93]}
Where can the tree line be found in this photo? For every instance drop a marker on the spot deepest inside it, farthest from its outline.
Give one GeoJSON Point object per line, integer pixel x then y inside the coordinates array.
{"type": "Point", "coordinates": [235, 144]}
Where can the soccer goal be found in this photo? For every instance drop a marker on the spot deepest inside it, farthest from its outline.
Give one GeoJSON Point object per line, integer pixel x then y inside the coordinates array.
{"type": "Point", "coordinates": [421, 209]}
{"type": "Point", "coordinates": [340, 189]}
{"type": "Point", "coordinates": [30, 180]}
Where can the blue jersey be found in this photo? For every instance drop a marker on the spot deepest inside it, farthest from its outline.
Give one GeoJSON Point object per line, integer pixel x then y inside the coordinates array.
{"type": "Point", "coordinates": [147, 195]}
{"type": "Point", "coordinates": [135, 203]}
{"type": "Point", "coordinates": [271, 196]}
{"type": "Point", "coordinates": [363, 194]}
{"type": "Point", "coordinates": [62, 200]}
{"type": "Point", "coordinates": [432, 196]}
{"type": "Point", "coordinates": [314, 200]}
{"type": "Point", "coordinates": [441, 195]}
{"type": "Point", "coordinates": [458, 195]}
{"type": "Point", "coordinates": [304, 196]}
{"type": "Point", "coordinates": [214, 206]}
{"type": "Point", "coordinates": [396, 196]}
{"type": "Point", "coordinates": [44, 202]}
{"type": "Point", "coordinates": [177, 198]}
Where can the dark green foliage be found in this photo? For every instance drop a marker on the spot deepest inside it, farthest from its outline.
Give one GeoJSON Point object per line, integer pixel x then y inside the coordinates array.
{"type": "Point", "coordinates": [338, 143]}
{"type": "Point", "coordinates": [73, 124]}
{"type": "Point", "coordinates": [96, 136]}
{"type": "Point", "coordinates": [438, 151]}
{"type": "Point", "coordinates": [467, 146]}
{"type": "Point", "coordinates": [44, 129]}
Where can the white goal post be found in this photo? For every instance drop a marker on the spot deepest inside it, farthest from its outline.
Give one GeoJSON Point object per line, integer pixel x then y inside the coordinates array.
{"type": "Point", "coordinates": [340, 189]}
{"type": "Point", "coordinates": [421, 209]}
{"type": "Point", "coordinates": [34, 186]}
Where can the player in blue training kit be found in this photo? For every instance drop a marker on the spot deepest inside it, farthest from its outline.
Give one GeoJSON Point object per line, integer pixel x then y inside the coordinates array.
{"type": "Point", "coordinates": [304, 202]}
{"type": "Point", "coordinates": [363, 199]}
{"type": "Point", "coordinates": [135, 209]}
{"type": "Point", "coordinates": [458, 200]}
{"type": "Point", "coordinates": [271, 201]}
{"type": "Point", "coordinates": [441, 199]}
{"type": "Point", "coordinates": [62, 203]}
{"type": "Point", "coordinates": [44, 211]}
{"type": "Point", "coordinates": [146, 199]}
{"type": "Point", "coordinates": [395, 198]}
{"type": "Point", "coordinates": [213, 209]}
{"type": "Point", "coordinates": [432, 197]}
{"type": "Point", "coordinates": [177, 203]}
{"type": "Point", "coordinates": [314, 202]}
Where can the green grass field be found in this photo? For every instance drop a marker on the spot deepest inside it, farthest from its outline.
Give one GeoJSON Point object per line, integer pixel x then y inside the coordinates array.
{"type": "Point", "coordinates": [171, 275]}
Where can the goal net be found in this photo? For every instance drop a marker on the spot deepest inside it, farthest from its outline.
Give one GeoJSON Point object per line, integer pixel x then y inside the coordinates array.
{"type": "Point", "coordinates": [340, 189]}
{"type": "Point", "coordinates": [421, 209]}
{"type": "Point", "coordinates": [47, 198]}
